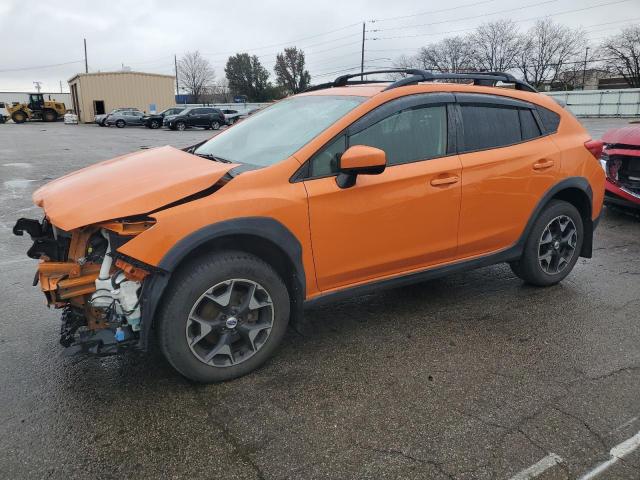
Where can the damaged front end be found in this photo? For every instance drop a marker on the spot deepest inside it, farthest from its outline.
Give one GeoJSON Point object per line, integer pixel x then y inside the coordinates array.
{"type": "Point", "coordinates": [98, 290]}
{"type": "Point", "coordinates": [621, 162]}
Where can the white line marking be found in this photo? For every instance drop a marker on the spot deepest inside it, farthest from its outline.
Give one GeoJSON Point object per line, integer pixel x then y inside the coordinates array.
{"type": "Point", "coordinates": [625, 424]}
{"type": "Point", "coordinates": [537, 468]}
{"type": "Point", "coordinates": [616, 453]}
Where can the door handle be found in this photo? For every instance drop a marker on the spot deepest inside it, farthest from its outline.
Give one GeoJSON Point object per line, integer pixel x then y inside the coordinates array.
{"type": "Point", "coordinates": [440, 181]}
{"type": "Point", "coordinates": [542, 164]}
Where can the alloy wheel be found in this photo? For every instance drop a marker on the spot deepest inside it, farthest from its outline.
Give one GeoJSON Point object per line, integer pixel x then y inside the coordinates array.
{"type": "Point", "coordinates": [181, 126]}
{"type": "Point", "coordinates": [557, 245]}
{"type": "Point", "coordinates": [230, 322]}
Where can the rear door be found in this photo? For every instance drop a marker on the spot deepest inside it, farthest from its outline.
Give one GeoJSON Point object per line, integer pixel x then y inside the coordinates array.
{"type": "Point", "coordinates": [507, 166]}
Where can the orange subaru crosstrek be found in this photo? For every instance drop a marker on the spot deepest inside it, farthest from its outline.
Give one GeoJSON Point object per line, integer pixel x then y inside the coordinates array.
{"type": "Point", "coordinates": [348, 187]}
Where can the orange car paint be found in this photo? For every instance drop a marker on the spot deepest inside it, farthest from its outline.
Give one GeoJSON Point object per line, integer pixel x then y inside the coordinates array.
{"type": "Point", "coordinates": [431, 213]}
{"type": "Point", "coordinates": [132, 184]}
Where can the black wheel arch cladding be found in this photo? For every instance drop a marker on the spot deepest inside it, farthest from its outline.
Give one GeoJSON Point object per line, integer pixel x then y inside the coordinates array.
{"type": "Point", "coordinates": [264, 231]}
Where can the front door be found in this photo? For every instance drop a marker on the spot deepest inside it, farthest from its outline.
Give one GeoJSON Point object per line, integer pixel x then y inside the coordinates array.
{"type": "Point", "coordinates": [402, 220]}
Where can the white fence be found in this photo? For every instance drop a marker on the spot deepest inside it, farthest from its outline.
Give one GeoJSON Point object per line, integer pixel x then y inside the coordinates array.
{"type": "Point", "coordinates": [601, 103]}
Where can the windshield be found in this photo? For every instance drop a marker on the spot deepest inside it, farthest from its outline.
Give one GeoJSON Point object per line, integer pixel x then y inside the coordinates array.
{"type": "Point", "coordinates": [275, 133]}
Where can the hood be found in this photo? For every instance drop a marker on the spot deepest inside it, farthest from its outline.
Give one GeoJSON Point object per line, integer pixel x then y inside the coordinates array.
{"type": "Point", "coordinates": [133, 184]}
{"type": "Point", "coordinates": [629, 135]}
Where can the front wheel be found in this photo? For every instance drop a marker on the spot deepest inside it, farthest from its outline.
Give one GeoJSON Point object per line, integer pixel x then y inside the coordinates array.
{"type": "Point", "coordinates": [223, 316]}
{"type": "Point", "coordinates": [19, 117]}
{"type": "Point", "coordinates": [215, 125]}
{"type": "Point", "coordinates": [553, 246]}
{"type": "Point", "coordinates": [154, 124]}
{"type": "Point", "coordinates": [181, 126]}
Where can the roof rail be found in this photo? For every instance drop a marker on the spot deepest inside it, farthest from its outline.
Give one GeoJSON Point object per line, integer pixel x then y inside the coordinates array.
{"type": "Point", "coordinates": [417, 76]}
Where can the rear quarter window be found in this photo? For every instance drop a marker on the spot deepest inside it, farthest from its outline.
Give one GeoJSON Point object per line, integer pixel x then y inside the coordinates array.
{"type": "Point", "coordinates": [550, 120]}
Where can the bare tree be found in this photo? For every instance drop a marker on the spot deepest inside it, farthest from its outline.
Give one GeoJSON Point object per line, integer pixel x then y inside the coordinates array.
{"type": "Point", "coordinates": [290, 72]}
{"type": "Point", "coordinates": [450, 55]}
{"type": "Point", "coordinates": [196, 74]}
{"type": "Point", "coordinates": [623, 55]}
{"type": "Point", "coordinates": [547, 51]}
{"type": "Point", "coordinates": [496, 46]}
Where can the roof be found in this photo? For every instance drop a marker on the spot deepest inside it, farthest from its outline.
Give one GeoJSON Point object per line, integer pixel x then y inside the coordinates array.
{"type": "Point", "coordinates": [96, 74]}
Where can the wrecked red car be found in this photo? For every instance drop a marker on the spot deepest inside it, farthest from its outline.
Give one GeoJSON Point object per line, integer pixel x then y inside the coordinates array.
{"type": "Point", "coordinates": [621, 162]}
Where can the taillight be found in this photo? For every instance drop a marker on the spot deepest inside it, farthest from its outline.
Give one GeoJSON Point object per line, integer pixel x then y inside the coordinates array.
{"type": "Point", "coordinates": [595, 147]}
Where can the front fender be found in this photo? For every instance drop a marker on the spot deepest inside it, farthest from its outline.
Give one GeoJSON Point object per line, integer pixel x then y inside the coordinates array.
{"type": "Point", "coordinates": [267, 229]}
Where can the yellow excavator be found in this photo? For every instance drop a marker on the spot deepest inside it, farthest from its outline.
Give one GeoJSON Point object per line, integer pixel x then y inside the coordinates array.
{"type": "Point", "coordinates": [37, 109]}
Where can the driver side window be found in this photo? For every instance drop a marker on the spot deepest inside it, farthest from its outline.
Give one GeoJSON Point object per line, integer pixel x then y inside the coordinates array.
{"type": "Point", "coordinates": [409, 135]}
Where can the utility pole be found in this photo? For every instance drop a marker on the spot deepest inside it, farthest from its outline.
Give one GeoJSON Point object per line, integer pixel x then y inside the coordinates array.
{"type": "Point", "coordinates": [60, 86]}
{"type": "Point", "coordinates": [86, 65]}
{"type": "Point", "coordinates": [362, 55]}
{"type": "Point", "coordinates": [38, 86]}
{"type": "Point", "coordinates": [175, 61]}
{"type": "Point", "coordinates": [584, 68]}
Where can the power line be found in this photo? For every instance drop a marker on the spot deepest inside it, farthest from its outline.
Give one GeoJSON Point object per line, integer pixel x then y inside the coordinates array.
{"type": "Point", "coordinates": [460, 19]}
{"type": "Point", "coordinates": [386, 19]}
{"type": "Point", "coordinates": [40, 67]}
{"type": "Point", "coordinates": [287, 43]}
{"type": "Point", "coordinates": [515, 21]}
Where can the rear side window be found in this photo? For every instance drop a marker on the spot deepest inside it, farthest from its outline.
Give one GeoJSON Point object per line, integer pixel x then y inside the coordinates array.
{"type": "Point", "coordinates": [528, 125]}
{"type": "Point", "coordinates": [488, 126]}
{"type": "Point", "coordinates": [550, 120]}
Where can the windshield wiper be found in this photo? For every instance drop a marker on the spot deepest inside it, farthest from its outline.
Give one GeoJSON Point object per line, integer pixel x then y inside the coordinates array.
{"type": "Point", "coordinates": [215, 158]}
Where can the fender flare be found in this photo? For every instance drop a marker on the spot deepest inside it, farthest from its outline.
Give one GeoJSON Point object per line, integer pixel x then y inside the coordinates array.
{"type": "Point", "coordinates": [579, 183]}
{"type": "Point", "coordinates": [265, 228]}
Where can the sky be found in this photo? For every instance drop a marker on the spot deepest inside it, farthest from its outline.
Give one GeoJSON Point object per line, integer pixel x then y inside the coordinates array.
{"type": "Point", "coordinates": [43, 41]}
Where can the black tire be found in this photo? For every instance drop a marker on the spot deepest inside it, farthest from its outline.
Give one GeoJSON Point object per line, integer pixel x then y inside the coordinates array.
{"type": "Point", "coordinates": [154, 124]}
{"type": "Point", "coordinates": [49, 115]}
{"type": "Point", "coordinates": [215, 125]}
{"type": "Point", "coordinates": [180, 126]}
{"type": "Point", "coordinates": [120, 123]}
{"type": "Point", "coordinates": [543, 272]}
{"type": "Point", "coordinates": [187, 289]}
{"type": "Point", "coordinates": [19, 117]}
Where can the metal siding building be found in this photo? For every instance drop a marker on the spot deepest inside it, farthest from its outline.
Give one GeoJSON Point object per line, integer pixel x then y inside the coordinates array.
{"type": "Point", "coordinates": [95, 93]}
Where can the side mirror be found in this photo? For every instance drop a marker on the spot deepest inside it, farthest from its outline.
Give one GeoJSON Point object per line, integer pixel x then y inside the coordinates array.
{"type": "Point", "coordinates": [359, 160]}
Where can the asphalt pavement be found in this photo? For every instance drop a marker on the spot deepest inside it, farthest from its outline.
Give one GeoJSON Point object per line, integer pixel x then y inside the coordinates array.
{"type": "Point", "coordinates": [473, 376]}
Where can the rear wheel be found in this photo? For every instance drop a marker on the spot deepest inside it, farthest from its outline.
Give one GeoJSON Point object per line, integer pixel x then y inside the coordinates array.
{"type": "Point", "coordinates": [19, 117]}
{"type": "Point", "coordinates": [120, 123]}
{"type": "Point", "coordinates": [553, 246]}
{"type": "Point", "coordinates": [223, 317]}
{"type": "Point", "coordinates": [49, 116]}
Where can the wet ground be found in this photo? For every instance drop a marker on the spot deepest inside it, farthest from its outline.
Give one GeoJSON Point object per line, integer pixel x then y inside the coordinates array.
{"type": "Point", "coordinates": [475, 376]}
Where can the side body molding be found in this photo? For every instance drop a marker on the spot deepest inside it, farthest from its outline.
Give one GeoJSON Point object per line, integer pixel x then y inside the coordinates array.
{"type": "Point", "coordinates": [260, 228]}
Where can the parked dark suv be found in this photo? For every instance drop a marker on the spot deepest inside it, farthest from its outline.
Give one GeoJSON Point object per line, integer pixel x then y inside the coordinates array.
{"type": "Point", "coordinates": [154, 120]}
{"type": "Point", "coordinates": [205, 117]}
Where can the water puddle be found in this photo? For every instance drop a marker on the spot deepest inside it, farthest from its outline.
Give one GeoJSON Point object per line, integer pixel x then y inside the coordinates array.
{"type": "Point", "coordinates": [18, 164]}
{"type": "Point", "coordinates": [18, 183]}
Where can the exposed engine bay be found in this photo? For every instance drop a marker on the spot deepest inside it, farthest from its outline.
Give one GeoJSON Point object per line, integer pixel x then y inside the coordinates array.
{"type": "Point", "coordinates": [98, 290]}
